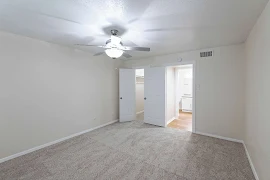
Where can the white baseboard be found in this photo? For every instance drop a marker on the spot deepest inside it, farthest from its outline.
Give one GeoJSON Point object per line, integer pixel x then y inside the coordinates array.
{"type": "Point", "coordinates": [219, 137]}
{"type": "Point", "coordinates": [140, 112]}
{"type": "Point", "coordinates": [251, 163]}
{"type": "Point", "coordinates": [234, 140]}
{"type": "Point", "coordinates": [53, 142]}
{"type": "Point", "coordinates": [171, 120]}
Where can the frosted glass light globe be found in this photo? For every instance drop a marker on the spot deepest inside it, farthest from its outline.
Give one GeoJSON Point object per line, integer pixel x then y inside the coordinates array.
{"type": "Point", "coordinates": [114, 53]}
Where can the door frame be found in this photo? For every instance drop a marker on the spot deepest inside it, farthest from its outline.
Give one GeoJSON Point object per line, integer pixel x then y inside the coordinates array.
{"type": "Point", "coordinates": [139, 67]}
{"type": "Point", "coordinates": [193, 63]}
{"type": "Point", "coordinates": [180, 62]}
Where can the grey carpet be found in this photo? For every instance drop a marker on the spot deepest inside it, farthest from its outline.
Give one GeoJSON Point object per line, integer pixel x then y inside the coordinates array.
{"type": "Point", "coordinates": [133, 150]}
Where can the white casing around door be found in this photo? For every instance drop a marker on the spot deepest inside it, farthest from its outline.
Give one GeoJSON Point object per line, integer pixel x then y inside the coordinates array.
{"type": "Point", "coordinates": [127, 95]}
{"type": "Point", "coordinates": [154, 90]}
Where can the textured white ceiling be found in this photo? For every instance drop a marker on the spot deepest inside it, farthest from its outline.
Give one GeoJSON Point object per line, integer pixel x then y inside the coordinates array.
{"type": "Point", "coordinates": [166, 26]}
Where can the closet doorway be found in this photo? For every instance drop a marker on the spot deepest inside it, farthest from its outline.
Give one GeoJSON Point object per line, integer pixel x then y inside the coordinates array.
{"type": "Point", "coordinates": [150, 100]}
{"type": "Point", "coordinates": [139, 94]}
{"type": "Point", "coordinates": [149, 95]}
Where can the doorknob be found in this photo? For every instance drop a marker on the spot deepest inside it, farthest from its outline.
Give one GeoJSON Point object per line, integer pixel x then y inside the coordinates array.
{"type": "Point", "coordinates": [145, 98]}
{"type": "Point", "coordinates": [121, 98]}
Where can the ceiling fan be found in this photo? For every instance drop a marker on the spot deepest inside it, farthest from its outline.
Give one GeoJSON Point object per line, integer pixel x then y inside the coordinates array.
{"type": "Point", "coordinates": [114, 48]}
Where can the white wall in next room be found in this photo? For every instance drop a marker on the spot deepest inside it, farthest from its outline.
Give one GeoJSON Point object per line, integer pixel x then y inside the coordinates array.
{"type": "Point", "coordinates": [170, 94]}
{"type": "Point", "coordinates": [183, 75]}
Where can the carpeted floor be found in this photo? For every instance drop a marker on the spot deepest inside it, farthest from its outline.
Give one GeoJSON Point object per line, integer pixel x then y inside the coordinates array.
{"type": "Point", "coordinates": [133, 150]}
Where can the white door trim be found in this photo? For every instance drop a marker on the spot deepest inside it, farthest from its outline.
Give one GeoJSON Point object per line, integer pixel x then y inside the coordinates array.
{"type": "Point", "coordinates": [193, 92]}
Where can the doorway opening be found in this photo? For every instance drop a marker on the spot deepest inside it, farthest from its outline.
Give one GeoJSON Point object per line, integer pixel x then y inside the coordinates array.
{"type": "Point", "coordinates": [179, 98]}
{"type": "Point", "coordinates": [139, 94]}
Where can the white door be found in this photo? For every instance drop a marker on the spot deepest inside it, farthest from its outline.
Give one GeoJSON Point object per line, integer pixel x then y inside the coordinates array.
{"type": "Point", "coordinates": [127, 104]}
{"type": "Point", "coordinates": [154, 90]}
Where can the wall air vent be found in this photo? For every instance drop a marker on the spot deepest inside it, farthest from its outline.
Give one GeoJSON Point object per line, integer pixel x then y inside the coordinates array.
{"type": "Point", "coordinates": [206, 54]}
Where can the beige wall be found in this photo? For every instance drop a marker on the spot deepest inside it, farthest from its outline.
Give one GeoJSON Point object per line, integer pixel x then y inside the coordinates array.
{"type": "Point", "coordinates": [139, 94]}
{"type": "Point", "coordinates": [220, 86]}
{"type": "Point", "coordinates": [257, 117]}
{"type": "Point", "coordinates": [49, 92]}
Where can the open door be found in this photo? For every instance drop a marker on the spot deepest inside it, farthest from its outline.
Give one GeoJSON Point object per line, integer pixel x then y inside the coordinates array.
{"type": "Point", "coordinates": [127, 95]}
{"type": "Point", "coordinates": [154, 90]}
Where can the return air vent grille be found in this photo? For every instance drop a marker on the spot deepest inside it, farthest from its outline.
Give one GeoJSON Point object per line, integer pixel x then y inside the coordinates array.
{"type": "Point", "coordinates": [206, 54]}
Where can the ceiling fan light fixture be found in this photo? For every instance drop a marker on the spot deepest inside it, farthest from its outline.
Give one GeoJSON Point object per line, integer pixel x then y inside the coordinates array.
{"type": "Point", "coordinates": [114, 53]}
{"type": "Point", "coordinates": [114, 47]}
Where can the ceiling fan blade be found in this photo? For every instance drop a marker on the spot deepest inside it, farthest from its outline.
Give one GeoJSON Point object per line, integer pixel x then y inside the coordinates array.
{"type": "Point", "coordinates": [128, 42]}
{"type": "Point", "coordinates": [98, 54]}
{"type": "Point", "coordinates": [126, 55]}
{"type": "Point", "coordinates": [89, 45]}
{"type": "Point", "coordinates": [126, 48]}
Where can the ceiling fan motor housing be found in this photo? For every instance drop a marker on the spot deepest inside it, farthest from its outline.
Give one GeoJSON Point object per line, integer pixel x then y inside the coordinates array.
{"type": "Point", "coordinates": [114, 32]}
